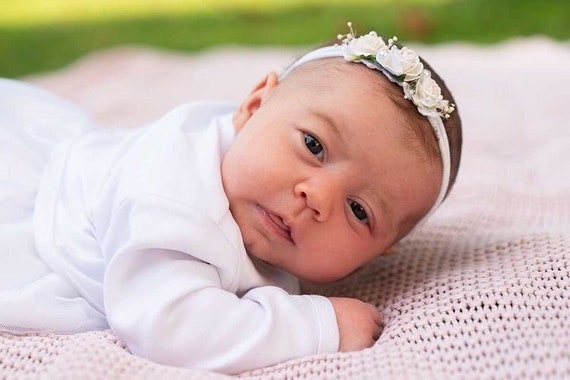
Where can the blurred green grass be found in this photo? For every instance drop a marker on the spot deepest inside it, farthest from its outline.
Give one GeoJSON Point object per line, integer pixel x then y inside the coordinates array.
{"type": "Point", "coordinates": [30, 42]}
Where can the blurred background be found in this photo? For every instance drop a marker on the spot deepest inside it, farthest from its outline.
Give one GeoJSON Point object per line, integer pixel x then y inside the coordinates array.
{"type": "Point", "coordinates": [43, 35]}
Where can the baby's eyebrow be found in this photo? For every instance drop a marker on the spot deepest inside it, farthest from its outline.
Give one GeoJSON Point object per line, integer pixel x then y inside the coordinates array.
{"type": "Point", "coordinates": [331, 122]}
{"type": "Point", "coordinates": [383, 205]}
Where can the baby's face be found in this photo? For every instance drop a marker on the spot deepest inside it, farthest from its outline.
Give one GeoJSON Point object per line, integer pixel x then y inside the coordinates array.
{"type": "Point", "coordinates": [319, 178]}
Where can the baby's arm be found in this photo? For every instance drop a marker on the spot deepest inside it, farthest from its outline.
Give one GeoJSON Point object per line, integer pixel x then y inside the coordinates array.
{"type": "Point", "coordinates": [172, 310]}
{"type": "Point", "coordinates": [170, 307]}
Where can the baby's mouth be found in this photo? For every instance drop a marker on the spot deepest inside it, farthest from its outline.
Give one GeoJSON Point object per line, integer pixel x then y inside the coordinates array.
{"type": "Point", "coordinates": [278, 222]}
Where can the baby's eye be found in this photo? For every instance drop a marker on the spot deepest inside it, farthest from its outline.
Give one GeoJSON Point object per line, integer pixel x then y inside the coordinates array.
{"type": "Point", "coordinates": [314, 145]}
{"type": "Point", "coordinates": [358, 211]}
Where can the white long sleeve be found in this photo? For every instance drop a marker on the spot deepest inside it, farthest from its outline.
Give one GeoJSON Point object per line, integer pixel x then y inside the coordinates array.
{"type": "Point", "coordinates": [167, 302]}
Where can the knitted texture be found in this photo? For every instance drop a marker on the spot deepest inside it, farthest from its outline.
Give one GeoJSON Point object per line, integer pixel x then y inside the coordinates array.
{"type": "Point", "coordinates": [480, 291]}
{"type": "Point", "coordinates": [90, 355]}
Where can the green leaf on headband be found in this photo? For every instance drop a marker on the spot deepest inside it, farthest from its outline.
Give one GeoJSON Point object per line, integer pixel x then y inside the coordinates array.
{"type": "Point", "coordinates": [400, 78]}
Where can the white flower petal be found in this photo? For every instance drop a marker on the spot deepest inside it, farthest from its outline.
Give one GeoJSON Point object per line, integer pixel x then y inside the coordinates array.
{"type": "Point", "coordinates": [402, 66]}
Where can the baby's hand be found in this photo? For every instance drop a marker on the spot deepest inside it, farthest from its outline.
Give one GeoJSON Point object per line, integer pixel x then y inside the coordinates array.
{"type": "Point", "coordinates": [358, 323]}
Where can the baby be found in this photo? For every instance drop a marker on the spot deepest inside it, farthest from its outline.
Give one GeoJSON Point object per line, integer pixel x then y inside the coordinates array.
{"type": "Point", "coordinates": [187, 237]}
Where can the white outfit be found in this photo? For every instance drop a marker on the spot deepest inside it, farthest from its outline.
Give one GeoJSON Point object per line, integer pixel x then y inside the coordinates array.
{"type": "Point", "coordinates": [133, 231]}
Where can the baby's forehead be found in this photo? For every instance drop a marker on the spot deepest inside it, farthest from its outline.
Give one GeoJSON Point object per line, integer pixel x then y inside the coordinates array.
{"type": "Point", "coordinates": [328, 74]}
{"type": "Point", "coordinates": [323, 67]}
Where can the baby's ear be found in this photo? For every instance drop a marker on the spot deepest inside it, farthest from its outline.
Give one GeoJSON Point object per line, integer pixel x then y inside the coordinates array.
{"type": "Point", "coordinates": [255, 99]}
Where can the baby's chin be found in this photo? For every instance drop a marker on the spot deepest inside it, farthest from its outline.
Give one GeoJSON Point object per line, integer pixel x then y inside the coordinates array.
{"type": "Point", "coordinates": [263, 264]}
{"type": "Point", "coordinates": [310, 275]}
{"type": "Point", "coordinates": [322, 278]}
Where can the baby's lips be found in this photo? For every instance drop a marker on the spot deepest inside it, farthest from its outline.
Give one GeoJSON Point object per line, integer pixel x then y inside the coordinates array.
{"type": "Point", "coordinates": [279, 221]}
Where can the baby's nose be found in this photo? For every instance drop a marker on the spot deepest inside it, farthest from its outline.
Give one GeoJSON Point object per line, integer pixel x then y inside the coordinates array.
{"type": "Point", "coordinates": [320, 194]}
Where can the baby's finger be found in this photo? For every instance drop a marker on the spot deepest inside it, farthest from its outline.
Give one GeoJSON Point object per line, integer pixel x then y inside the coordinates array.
{"type": "Point", "coordinates": [376, 316]}
{"type": "Point", "coordinates": [376, 336]}
{"type": "Point", "coordinates": [377, 319]}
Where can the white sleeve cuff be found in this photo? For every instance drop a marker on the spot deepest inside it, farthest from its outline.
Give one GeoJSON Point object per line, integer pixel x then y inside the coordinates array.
{"type": "Point", "coordinates": [327, 321]}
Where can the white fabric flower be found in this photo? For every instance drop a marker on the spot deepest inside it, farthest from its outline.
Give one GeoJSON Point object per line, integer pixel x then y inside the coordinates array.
{"type": "Point", "coordinates": [367, 45]}
{"type": "Point", "coordinates": [401, 62]}
{"type": "Point", "coordinates": [427, 95]}
{"type": "Point", "coordinates": [401, 66]}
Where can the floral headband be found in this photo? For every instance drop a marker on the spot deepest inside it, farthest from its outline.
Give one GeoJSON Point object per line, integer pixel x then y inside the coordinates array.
{"type": "Point", "coordinates": [403, 67]}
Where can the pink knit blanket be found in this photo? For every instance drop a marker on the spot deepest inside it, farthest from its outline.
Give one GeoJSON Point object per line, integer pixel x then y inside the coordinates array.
{"type": "Point", "coordinates": [481, 291]}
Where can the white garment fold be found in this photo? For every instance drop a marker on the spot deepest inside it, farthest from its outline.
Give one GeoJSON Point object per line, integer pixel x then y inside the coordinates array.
{"type": "Point", "coordinates": [32, 296]}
